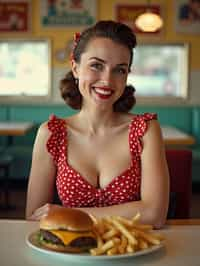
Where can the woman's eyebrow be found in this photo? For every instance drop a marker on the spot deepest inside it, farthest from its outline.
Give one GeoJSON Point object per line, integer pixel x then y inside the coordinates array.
{"type": "Point", "coordinates": [103, 61]}
{"type": "Point", "coordinates": [98, 59]}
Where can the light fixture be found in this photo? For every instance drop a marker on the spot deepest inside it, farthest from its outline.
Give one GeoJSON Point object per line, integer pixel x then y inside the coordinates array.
{"type": "Point", "coordinates": [149, 21]}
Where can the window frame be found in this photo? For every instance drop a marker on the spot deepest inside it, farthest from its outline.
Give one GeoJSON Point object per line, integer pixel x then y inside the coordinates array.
{"type": "Point", "coordinates": [168, 100]}
{"type": "Point", "coordinates": [26, 99]}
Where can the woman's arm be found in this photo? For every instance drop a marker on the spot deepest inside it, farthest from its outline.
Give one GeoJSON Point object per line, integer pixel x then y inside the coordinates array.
{"type": "Point", "coordinates": [42, 174]}
{"type": "Point", "coordinates": [153, 205]}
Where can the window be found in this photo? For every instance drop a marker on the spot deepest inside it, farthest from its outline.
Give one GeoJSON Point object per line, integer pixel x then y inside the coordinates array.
{"type": "Point", "coordinates": [160, 72]}
{"type": "Point", "coordinates": [25, 69]}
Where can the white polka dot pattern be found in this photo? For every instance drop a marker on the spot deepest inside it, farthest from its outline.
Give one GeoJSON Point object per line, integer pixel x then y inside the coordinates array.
{"type": "Point", "coordinates": [75, 191]}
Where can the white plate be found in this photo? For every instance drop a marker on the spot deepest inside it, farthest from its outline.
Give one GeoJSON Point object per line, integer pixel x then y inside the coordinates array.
{"type": "Point", "coordinates": [32, 241]}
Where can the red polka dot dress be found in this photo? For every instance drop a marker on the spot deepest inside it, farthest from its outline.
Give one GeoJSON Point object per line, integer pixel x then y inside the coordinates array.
{"type": "Point", "coordinates": [75, 191]}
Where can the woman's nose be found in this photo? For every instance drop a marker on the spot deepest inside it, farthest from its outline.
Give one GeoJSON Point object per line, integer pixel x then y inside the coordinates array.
{"type": "Point", "coordinates": [107, 77]}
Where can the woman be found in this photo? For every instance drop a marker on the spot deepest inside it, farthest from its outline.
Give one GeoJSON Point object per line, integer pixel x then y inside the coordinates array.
{"type": "Point", "coordinates": [103, 159]}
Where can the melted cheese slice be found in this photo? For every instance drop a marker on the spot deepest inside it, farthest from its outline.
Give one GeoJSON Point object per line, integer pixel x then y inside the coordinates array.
{"type": "Point", "coordinates": [67, 236]}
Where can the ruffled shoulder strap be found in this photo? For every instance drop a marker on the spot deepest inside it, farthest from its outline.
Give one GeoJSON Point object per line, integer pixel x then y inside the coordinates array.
{"type": "Point", "coordinates": [138, 127]}
{"type": "Point", "coordinates": [57, 139]}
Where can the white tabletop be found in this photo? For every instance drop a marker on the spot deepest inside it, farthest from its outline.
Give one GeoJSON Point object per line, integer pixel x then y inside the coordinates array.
{"type": "Point", "coordinates": [174, 136]}
{"type": "Point", "coordinates": [181, 248]}
{"type": "Point", "coordinates": [14, 128]}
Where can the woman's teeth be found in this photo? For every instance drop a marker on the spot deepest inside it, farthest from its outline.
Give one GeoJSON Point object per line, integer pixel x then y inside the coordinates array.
{"type": "Point", "coordinates": [102, 91]}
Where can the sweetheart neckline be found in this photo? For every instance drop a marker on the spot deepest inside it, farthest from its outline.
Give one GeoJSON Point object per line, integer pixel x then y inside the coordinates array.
{"type": "Point", "coordinates": [81, 176]}
{"type": "Point", "coordinates": [92, 186]}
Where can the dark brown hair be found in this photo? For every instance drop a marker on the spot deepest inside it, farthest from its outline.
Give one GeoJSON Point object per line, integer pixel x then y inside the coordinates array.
{"type": "Point", "coordinates": [117, 32]}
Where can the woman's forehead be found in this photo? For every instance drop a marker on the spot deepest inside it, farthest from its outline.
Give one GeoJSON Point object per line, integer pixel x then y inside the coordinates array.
{"type": "Point", "coordinates": [105, 47]}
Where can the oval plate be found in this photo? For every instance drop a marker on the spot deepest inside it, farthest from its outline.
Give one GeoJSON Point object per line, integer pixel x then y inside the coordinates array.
{"type": "Point", "coordinates": [32, 241]}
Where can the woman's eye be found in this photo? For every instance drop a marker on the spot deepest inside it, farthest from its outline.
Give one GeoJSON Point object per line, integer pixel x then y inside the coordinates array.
{"type": "Point", "coordinates": [97, 66]}
{"type": "Point", "coordinates": [120, 70]}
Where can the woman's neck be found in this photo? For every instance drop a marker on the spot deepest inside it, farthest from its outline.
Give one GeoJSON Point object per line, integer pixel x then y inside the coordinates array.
{"type": "Point", "coordinates": [97, 121]}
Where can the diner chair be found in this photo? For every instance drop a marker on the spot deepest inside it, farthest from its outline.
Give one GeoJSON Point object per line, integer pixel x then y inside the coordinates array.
{"type": "Point", "coordinates": [180, 171]}
{"type": "Point", "coordinates": [5, 164]}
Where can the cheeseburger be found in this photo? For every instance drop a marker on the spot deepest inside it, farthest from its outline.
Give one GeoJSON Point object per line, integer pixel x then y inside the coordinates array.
{"type": "Point", "coordinates": [67, 230]}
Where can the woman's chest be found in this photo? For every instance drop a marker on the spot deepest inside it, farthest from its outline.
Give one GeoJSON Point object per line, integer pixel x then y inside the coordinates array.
{"type": "Point", "coordinates": [77, 191]}
{"type": "Point", "coordinates": [99, 160]}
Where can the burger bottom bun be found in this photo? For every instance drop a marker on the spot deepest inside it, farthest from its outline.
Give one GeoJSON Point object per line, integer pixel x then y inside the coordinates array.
{"type": "Point", "coordinates": [60, 248]}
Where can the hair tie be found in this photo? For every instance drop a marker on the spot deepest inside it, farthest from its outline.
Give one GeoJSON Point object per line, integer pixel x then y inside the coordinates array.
{"type": "Point", "coordinates": [77, 36]}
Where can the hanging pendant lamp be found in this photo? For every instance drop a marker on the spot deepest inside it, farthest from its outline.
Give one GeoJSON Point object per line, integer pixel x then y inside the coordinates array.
{"type": "Point", "coordinates": [149, 21]}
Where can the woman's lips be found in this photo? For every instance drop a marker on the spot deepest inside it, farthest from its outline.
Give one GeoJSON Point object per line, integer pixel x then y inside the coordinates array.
{"type": "Point", "coordinates": [103, 92]}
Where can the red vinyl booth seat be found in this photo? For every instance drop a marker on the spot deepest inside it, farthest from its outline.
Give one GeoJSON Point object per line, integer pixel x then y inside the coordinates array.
{"type": "Point", "coordinates": [180, 171]}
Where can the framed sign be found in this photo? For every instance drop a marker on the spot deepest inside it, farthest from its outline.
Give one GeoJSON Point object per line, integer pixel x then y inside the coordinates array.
{"type": "Point", "coordinates": [67, 13]}
{"type": "Point", "coordinates": [127, 13]}
{"type": "Point", "coordinates": [187, 18]}
{"type": "Point", "coordinates": [14, 16]}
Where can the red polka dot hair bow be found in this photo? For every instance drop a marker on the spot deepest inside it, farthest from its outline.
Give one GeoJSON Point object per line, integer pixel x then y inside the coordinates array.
{"type": "Point", "coordinates": [77, 36]}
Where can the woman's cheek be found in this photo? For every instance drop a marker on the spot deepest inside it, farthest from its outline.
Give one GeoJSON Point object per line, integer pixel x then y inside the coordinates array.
{"type": "Point", "coordinates": [89, 77]}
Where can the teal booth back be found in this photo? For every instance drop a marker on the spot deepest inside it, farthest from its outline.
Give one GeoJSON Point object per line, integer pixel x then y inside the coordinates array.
{"type": "Point", "coordinates": [185, 118]}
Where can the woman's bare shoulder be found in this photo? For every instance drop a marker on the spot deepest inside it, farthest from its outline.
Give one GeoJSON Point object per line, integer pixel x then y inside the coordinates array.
{"type": "Point", "coordinates": [153, 131]}
{"type": "Point", "coordinates": [154, 125]}
{"type": "Point", "coordinates": [43, 130]}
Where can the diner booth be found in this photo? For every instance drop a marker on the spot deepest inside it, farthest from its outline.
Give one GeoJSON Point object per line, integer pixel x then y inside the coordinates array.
{"type": "Point", "coordinates": [36, 39]}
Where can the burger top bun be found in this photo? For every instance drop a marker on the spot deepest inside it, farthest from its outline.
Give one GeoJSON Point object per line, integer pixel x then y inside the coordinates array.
{"type": "Point", "coordinates": [66, 219]}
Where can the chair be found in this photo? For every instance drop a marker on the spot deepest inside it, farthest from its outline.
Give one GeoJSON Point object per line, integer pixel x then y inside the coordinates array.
{"type": "Point", "coordinates": [180, 171]}
{"type": "Point", "coordinates": [5, 163]}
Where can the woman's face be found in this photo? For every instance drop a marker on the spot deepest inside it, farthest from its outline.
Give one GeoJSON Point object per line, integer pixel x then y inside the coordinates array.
{"type": "Point", "coordinates": [102, 72]}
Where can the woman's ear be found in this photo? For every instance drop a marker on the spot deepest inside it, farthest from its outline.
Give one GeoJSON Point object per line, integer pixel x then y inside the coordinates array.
{"type": "Point", "coordinates": [74, 68]}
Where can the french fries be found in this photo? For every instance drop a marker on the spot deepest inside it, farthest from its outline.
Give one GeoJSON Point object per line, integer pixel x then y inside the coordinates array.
{"type": "Point", "coordinates": [119, 235]}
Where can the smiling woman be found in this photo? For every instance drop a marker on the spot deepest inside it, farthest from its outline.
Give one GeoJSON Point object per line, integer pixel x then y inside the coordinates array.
{"type": "Point", "coordinates": [104, 160]}
{"type": "Point", "coordinates": [104, 75]}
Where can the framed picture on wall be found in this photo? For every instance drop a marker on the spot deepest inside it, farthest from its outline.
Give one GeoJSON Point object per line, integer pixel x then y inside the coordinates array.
{"type": "Point", "coordinates": [67, 13]}
{"type": "Point", "coordinates": [15, 16]}
{"type": "Point", "coordinates": [187, 18]}
{"type": "Point", "coordinates": [127, 13]}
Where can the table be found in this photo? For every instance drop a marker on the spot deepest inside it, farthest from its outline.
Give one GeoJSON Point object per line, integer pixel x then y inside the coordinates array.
{"type": "Point", "coordinates": [174, 136]}
{"type": "Point", "coordinates": [181, 247]}
{"type": "Point", "coordinates": [11, 129]}
{"type": "Point", "coordinates": [171, 135]}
